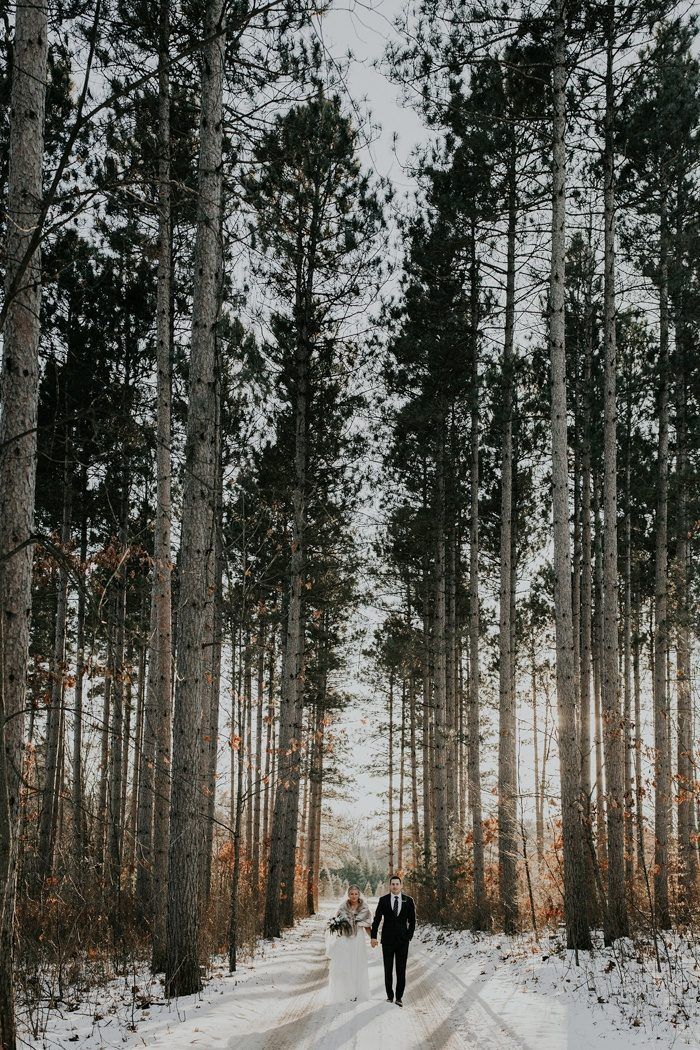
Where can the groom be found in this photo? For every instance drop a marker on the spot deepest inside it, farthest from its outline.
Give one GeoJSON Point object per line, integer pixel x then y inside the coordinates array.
{"type": "Point", "coordinates": [399, 914]}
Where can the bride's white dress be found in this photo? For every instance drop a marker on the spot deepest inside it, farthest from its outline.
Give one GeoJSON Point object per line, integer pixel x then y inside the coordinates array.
{"type": "Point", "coordinates": [348, 978]}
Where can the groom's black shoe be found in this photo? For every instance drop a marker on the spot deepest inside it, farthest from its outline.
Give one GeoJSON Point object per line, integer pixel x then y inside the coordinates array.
{"type": "Point", "coordinates": [399, 1003]}
{"type": "Point", "coordinates": [390, 998]}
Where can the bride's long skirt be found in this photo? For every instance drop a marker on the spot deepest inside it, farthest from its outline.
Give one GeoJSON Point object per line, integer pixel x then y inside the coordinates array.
{"type": "Point", "coordinates": [348, 978]}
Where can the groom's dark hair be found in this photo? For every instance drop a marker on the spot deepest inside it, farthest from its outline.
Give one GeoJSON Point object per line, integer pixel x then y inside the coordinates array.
{"type": "Point", "coordinates": [398, 877]}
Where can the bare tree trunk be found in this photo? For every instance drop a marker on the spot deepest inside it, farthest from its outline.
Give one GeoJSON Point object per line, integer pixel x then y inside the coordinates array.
{"type": "Point", "coordinates": [390, 793]}
{"type": "Point", "coordinates": [211, 709]}
{"type": "Point", "coordinates": [439, 757]}
{"type": "Point", "coordinates": [480, 918]}
{"type": "Point", "coordinates": [616, 913]}
{"type": "Point", "coordinates": [18, 441]}
{"type": "Point", "coordinates": [237, 834]}
{"type": "Point", "coordinates": [257, 765]}
{"type": "Point", "coordinates": [47, 825]}
{"type": "Point", "coordinates": [416, 833]}
{"type": "Point", "coordinates": [248, 748]}
{"type": "Point", "coordinates": [154, 777]}
{"type": "Point", "coordinates": [627, 663]}
{"type": "Point", "coordinates": [77, 783]}
{"type": "Point", "coordinates": [507, 785]}
{"type": "Point", "coordinates": [578, 933]}
{"type": "Point", "coordinates": [126, 747]}
{"type": "Point", "coordinates": [138, 733]}
{"type": "Point", "coordinates": [425, 725]}
{"type": "Point", "coordinates": [539, 812]}
{"type": "Point", "coordinates": [586, 572]}
{"type": "Point", "coordinates": [103, 783]}
{"type": "Point", "coordinates": [143, 857]}
{"type": "Point", "coordinates": [402, 777]}
{"type": "Point", "coordinates": [601, 837]}
{"type": "Point", "coordinates": [662, 766]}
{"type": "Point", "coordinates": [687, 854]}
{"type": "Point", "coordinates": [279, 902]}
{"type": "Point", "coordinates": [198, 534]}
{"type": "Point", "coordinates": [114, 825]}
{"type": "Point", "coordinates": [316, 787]}
{"type": "Point", "coordinates": [269, 749]}
{"type": "Point", "coordinates": [638, 786]}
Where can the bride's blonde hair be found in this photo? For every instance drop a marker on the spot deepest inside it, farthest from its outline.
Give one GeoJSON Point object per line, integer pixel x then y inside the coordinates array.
{"type": "Point", "coordinates": [359, 893]}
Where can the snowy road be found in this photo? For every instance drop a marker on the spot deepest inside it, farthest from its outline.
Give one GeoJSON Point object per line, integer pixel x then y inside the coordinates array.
{"type": "Point", "coordinates": [461, 994]}
{"type": "Point", "coordinates": [281, 1006]}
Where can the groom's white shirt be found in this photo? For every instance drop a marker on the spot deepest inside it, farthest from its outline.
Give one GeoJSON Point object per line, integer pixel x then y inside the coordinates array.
{"type": "Point", "coordinates": [396, 897]}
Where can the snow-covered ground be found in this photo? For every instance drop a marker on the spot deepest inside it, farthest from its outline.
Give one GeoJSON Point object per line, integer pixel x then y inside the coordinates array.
{"type": "Point", "coordinates": [490, 993]}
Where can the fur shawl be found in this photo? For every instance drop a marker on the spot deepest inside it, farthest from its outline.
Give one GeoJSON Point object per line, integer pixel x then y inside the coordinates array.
{"type": "Point", "coordinates": [359, 918]}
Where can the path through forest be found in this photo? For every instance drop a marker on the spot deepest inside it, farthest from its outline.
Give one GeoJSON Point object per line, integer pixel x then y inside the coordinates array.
{"type": "Point", "coordinates": [492, 994]}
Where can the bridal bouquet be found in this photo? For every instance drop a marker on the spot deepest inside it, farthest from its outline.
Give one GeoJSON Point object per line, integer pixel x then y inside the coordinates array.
{"type": "Point", "coordinates": [340, 927]}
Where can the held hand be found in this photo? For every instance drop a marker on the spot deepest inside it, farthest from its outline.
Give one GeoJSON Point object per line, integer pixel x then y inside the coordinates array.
{"type": "Point", "coordinates": [373, 942]}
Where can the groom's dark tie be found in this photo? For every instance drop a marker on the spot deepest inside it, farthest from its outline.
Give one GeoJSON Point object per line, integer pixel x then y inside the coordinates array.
{"type": "Point", "coordinates": [396, 907]}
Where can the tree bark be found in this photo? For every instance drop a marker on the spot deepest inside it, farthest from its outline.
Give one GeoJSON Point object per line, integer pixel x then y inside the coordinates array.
{"type": "Point", "coordinates": [257, 799]}
{"type": "Point", "coordinates": [402, 778]}
{"type": "Point", "coordinates": [197, 533]}
{"type": "Point", "coordinates": [52, 785]}
{"type": "Point", "coordinates": [601, 836]}
{"type": "Point", "coordinates": [79, 838]}
{"type": "Point", "coordinates": [279, 901]}
{"type": "Point", "coordinates": [480, 917]}
{"type": "Point", "coordinates": [160, 675]}
{"type": "Point", "coordinates": [662, 765]}
{"type": "Point", "coordinates": [507, 786]}
{"type": "Point", "coordinates": [390, 793]}
{"type": "Point", "coordinates": [439, 757]}
{"type": "Point", "coordinates": [687, 853]}
{"type": "Point", "coordinates": [578, 933]}
{"type": "Point", "coordinates": [616, 913]}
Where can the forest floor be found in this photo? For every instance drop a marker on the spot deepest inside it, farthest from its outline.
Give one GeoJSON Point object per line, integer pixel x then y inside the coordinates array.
{"type": "Point", "coordinates": [485, 993]}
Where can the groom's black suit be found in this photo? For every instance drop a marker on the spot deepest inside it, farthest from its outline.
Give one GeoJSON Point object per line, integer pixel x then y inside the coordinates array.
{"type": "Point", "coordinates": [397, 932]}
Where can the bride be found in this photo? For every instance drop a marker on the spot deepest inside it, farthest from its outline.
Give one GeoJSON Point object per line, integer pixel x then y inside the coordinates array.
{"type": "Point", "coordinates": [348, 979]}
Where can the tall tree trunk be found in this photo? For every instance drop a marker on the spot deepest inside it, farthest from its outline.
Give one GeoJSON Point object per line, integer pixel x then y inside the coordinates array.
{"type": "Point", "coordinates": [439, 757]}
{"type": "Point", "coordinates": [390, 793]}
{"type": "Point", "coordinates": [627, 664]}
{"type": "Point", "coordinates": [539, 810]}
{"type": "Point", "coordinates": [578, 933]}
{"type": "Point", "coordinates": [248, 748]}
{"type": "Point", "coordinates": [257, 765]}
{"type": "Point", "coordinates": [601, 836]}
{"type": "Point", "coordinates": [52, 785]}
{"type": "Point", "coordinates": [687, 853]}
{"type": "Point", "coordinates": [586, 660]}
{"type": "Point", "coordinates": [316, 779]}
{"type": "Point", "coordinates": [415, 825]}
{"type": "Point", "coordinates": [402, 778]}
{"type": "Point", "coordinates": [269, 748]}
{"type": "Point", "coordinates": [103, 783]}
{"type": "Point", "coordinates": [143, 858]}
{"type": "Point", "coordinates": [279, 900]}
{"type": "Point", "coordinates": [616, 913]}
{"type": "Point", "coordinates": [425, 723]}
{"type": "Point", "coordinates": [662, 766]}
{"type": "Point", "coordinates": [153, 831]}
{"type": "Point", "coordinates": [114, 795]}
{"type": "Point", "coordinates": [480, 918]}
{"type": "Point", "coordinates": [197, 533]}
{"type": "Point", "coordinates": [638, 786]}
{"type": "Point", "coordinates": [237, 835]}
{"type": "Point", "coordinates": [144, 641]}
{"type": "Point", "coordinates": [627, 658]}
{"type": "Point", "coordinates": [77, 782]}
{"type": "Point", "coordinates": [18, 442]}
{"type": "Point", "coordinates": [507, 786]}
